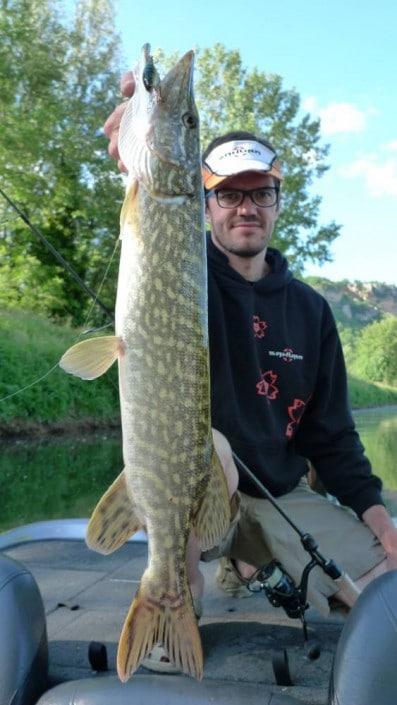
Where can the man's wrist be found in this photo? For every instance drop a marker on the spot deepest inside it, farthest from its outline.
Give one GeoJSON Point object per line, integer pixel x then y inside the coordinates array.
{"type": "Point", "coordinates": [380, 522]}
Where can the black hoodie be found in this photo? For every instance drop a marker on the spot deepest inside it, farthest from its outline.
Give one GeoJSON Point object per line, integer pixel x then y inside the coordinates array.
{"type": "Point", "coordinates": [278, 383]}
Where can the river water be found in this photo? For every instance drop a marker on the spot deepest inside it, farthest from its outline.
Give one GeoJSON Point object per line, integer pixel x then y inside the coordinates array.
{"type": "Point", "coordinates": [65, 477]}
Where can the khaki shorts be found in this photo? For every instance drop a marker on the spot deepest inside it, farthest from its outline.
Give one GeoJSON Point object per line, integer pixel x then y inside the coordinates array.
{"type": "Point", "coordinates": [258, 533]}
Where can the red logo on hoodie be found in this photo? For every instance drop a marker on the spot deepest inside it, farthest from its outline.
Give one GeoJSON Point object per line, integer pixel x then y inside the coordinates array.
{"type": "Point", "coordinates": [259, 327]}
{"type": "Point", "coordinates": [266, 387]}
{"type": "Point", "coordinates": [295, 412]}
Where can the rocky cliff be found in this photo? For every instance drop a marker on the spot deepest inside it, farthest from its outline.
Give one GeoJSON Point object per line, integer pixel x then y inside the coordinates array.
{"type": "Point", "coordinates": [357, 304]}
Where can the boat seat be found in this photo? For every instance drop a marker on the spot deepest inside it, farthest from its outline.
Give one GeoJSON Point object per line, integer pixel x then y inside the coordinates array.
{"type": "Point", "coordinates": [365, 668]}
{"type": "Point", "coordinates": [23, 636]}
{"type": "Point", "coordinates": [161, 690]}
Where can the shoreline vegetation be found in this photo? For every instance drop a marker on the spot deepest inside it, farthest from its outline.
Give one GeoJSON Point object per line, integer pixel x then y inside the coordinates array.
{"type": "Point", "coordinates": [59, 404]}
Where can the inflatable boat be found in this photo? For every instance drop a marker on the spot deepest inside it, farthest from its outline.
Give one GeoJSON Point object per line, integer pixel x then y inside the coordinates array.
{"type": "Point", "coordinates": [62, 608]}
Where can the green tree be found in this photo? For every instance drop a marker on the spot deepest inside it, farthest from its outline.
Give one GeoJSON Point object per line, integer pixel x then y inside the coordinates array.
{"type": "Point", "coordinates": [231, 97]}
{"type": "Point", "coordinates": [376, 352]}
{"type": "Point", "coordinates": [58, 83]}
{"type": "Point", "coordinates": [348, 336]}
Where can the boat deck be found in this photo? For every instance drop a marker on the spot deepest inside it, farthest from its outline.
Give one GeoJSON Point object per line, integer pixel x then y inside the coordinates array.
{"type": "Point", "coordinates": [86, 598]}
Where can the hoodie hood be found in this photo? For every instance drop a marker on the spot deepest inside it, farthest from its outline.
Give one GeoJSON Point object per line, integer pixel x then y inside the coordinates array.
{"type": "Point", "coordinates": [278, 277]}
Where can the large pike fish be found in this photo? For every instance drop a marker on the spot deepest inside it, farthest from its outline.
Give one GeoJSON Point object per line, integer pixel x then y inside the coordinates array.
{"type": "Point", "coordinates": [172, 482]}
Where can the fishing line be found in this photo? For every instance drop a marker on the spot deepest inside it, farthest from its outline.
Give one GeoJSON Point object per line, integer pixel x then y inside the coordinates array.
{"type": "Point", "coordinates": [28, 386]}
{"type": "Point", "coordinates": [93, 295]}
{"type": "Point", "coordinates": [77, 338]}
{"type": "Point", "coordinates": [57, 254]}
{"type": "Point", "coordinates": [111, 323]}
{"type": "Point", "coordinates": [96, 330]}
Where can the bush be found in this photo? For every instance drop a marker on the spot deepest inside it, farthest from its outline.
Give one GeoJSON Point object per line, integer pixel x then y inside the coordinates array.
{"type": "Point", "coordinates": [376, 352]}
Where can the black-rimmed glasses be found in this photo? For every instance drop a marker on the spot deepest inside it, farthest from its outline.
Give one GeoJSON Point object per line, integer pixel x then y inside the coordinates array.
{"type": "Point", "coordinates": [264, 197]}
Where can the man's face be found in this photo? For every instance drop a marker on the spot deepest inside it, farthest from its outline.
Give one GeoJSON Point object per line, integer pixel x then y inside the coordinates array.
{"type": "Point", "coordinates": [244, 231]}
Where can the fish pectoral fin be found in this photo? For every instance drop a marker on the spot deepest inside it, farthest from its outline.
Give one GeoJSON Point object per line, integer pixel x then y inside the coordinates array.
{"type": "Point", "coordinates": [129, 215]}
{"type": "Point", "coordinates": [213, 517]}
{"type": "Point", "coordinates": [148, 623]}
{"type": "Point", "coordinates": [113, 520]}
{"type": "Point", "coordinates": [92, 358]}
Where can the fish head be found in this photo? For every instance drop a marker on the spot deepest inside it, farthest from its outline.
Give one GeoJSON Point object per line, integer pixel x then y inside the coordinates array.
{"type": "Point", "coordinates": [159, 133]}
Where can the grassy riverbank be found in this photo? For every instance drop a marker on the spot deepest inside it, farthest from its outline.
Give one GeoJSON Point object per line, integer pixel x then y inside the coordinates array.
{"type": "Point", "coordinates": [30, 346]}
{"type": "Point", "coordinates": [365, 394]}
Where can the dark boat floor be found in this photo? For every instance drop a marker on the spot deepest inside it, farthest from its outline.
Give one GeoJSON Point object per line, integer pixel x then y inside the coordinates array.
{"type": "Point", "coordinates": [86, 598]}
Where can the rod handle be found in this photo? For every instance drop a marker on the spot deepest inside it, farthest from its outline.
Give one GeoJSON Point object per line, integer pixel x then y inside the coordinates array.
{"type": "Point", "coordinates": [350, 591]}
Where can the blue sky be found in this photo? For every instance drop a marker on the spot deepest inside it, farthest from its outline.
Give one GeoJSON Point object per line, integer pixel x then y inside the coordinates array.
{"type": "Point", "coordinates": [341, 58]}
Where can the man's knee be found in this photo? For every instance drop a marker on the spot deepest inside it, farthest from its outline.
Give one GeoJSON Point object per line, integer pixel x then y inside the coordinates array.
{"type": "Point", "coordinates": [224, 453]}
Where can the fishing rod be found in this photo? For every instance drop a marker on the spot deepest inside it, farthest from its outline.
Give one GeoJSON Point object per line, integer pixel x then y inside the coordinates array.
{"type": "Point", "coordinates": [308, 542]}
{"type": "Point", "coordinates": [295, 604]}
{"type": "Point", "coordinates": [281, 590]}
{"type": "Point", "coordinates": [58, 256]}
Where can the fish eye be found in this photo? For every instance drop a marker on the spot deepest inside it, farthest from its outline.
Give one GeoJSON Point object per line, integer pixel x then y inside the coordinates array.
{"type": "Point", "coordinates": [189, 120]}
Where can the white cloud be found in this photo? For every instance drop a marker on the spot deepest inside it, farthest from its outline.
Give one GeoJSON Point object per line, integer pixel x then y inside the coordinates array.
{"type": "Point", "coordinates": [338, 117]}
{"type": "Point", "coordinates": [380, 176]}
{"type": "Point", "coordinates": [342, 117]}
{"type": "Point", "coordinates": [310, 105]}
{"type": "Point", "coordinates": [391, 146]}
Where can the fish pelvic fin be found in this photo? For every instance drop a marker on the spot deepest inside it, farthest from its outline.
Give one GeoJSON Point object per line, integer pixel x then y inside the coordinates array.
{"type": "Point", "coordinates": [213, 517]}
{"type": "Point", "coordinates": [148, 623]}
{"type": "Point", "coordinates": [113, 520]}
{"type": "Point", "coordinates": [91, 358]}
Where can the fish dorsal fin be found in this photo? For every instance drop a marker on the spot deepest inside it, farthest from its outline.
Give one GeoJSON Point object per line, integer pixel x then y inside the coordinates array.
{"type": "Point", "coordinates": [92, 358]}
{"type": "Point", "coordinates": [213, 518]}
{"type": "Point", "coordinates": [113, 520]}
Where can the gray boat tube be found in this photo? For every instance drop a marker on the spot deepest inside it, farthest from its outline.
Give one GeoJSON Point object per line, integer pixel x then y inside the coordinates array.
{"type": "Point", "coordinates": [365, 664]}
{"type": "Point", "coordinates": [161, 690]}
{"type": "Point", "coordinates": [23, 636]}
{"type": "Point", "coordinates": [51, 530]}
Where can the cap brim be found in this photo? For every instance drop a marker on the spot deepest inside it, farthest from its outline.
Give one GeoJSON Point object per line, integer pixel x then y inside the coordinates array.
{"type": "Point", "coordinates": [212, 180]}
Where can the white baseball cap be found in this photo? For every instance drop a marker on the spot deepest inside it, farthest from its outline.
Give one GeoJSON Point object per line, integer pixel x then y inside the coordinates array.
{"type": "Point", "coordinates": [236, 156]}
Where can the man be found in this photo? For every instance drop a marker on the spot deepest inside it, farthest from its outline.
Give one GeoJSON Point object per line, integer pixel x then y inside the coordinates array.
{"type": "Point", "coordinates": [278, 386]}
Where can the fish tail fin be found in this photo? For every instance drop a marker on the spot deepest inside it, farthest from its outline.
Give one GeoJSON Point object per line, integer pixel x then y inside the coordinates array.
{"type": "Point", "coordinates": [148, 623]}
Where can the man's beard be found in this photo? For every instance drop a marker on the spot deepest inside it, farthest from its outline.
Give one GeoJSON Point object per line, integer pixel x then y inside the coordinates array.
{"type": "Point", "coordinates": [246, 252]}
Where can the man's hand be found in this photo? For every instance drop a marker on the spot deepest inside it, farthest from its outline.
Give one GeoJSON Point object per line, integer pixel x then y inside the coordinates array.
{"type": "Point", "coordinates": [381, 524]}
{"type": "Point", "coordinates": [389, 543]}
{"type": "Point", "coordinates": [112, 124]}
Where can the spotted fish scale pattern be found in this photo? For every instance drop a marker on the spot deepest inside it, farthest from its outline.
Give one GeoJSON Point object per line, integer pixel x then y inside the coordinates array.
{"type": "Point", "coordinates": [172, 482]}
{"type": "Point", "coordinates": [164, 378]}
